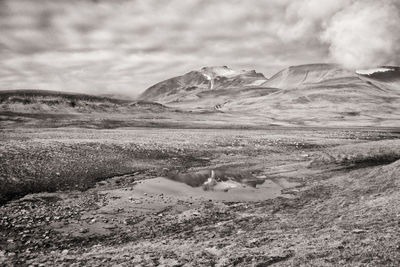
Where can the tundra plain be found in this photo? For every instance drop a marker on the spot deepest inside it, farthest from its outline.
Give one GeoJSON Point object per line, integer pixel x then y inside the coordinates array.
{"type": "Point", "coordinates": [81, 196]}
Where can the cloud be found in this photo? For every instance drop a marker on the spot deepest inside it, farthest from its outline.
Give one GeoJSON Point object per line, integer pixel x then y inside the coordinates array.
{"type": "Point", "coordinates": [358, 34]}
{"type": "Point", "coordinates": [124, 46]}
{"type": "Point", "coordinates": [365, 34]}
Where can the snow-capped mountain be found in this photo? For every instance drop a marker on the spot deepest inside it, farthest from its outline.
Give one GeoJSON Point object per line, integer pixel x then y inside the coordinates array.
{"type": "Point", "coordinates": [189, 85]}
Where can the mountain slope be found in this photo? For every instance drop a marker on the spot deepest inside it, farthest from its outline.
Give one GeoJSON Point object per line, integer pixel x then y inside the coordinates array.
{"type": "Point", "coordinates": [189, 85]}
{"type": "Point", "coordinates": [327, 95]}
{"type": "Point", "coordinates": [297, 76]}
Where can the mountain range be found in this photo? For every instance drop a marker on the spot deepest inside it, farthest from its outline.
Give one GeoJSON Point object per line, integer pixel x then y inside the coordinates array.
{"type": "Point", "coordinates": [322, 93]}
{"type": "Point", "coordinates": [305, 95]}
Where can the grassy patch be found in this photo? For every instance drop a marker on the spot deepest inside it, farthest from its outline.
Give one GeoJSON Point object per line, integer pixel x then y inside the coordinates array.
{"type": "Point", "coordinates": [362, 154]}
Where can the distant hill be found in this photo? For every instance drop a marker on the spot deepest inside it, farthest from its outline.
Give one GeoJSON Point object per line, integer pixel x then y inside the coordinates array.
{"type": "Point", "coordinates": [37, 101]}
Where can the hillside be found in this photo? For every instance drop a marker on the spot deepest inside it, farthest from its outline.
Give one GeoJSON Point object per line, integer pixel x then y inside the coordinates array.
{"type": "Point", "coordinates": [297, 76]}
{"type": "Point", "coordinates": [44, 101]}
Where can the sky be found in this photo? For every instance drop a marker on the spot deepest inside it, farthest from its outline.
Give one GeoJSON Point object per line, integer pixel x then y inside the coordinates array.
{"type": "Point", "coordinates": [122, 47]}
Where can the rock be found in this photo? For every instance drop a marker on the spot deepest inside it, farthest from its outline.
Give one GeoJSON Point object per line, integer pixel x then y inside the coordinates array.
{"type": "Point", "coordinates": [110, 227]}
{"type": "Point", "coordinates": [65, 252]}
{"type": "Point", "coordinates": [83, 230]}
{"type": "Point", "coordinates": [358, 231]}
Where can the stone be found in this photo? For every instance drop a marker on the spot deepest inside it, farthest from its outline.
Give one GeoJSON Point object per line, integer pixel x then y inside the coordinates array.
{"type": "Point", "coordinates": [83, 230]}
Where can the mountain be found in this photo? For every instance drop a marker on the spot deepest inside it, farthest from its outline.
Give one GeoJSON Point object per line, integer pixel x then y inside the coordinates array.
{"type": "Point", "coordinates": [191, 84]}
{"type": "Point", "coordinates": [298, 76]}
{"type": "Point", "coordinates": [305, 95]}
{"type": "Point", "coordinates": [314, 94]}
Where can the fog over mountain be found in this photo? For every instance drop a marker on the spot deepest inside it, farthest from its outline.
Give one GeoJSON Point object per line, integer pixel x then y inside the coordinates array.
{"type": "Point", "coordinates": [88, 46]}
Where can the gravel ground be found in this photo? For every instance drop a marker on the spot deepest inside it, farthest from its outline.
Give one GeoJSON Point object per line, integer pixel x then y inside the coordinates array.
{"type": "Point", "coordinates": [327, 215]}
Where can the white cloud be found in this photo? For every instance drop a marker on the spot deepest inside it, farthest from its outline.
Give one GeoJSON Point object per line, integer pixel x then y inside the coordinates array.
{"type": "Point", "coordinates": [365, 34]}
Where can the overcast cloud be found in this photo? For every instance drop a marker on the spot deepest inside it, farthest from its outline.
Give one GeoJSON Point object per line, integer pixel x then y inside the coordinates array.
{"type": "Point", "coordinates": [123, 47]}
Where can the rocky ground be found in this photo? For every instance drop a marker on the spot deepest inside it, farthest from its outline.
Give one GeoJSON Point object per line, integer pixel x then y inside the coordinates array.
{"type": "Point", "coordinates": [327, 201]}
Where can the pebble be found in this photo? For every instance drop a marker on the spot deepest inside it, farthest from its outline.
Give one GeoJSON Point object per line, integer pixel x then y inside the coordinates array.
{"type": "Point", "coordinates": [83, 230]}
{"type": "Point", "coordinates": [65, 252]}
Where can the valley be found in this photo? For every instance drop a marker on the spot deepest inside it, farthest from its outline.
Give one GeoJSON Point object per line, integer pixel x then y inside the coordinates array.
{"type": "Point", "coordinates": [213, 168]}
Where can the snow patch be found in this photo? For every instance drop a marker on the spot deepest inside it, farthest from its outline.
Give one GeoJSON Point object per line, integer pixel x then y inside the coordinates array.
{"type": "Point", "coordinates": [223, 71]}
{"type": "Point", "coordinates": [208, 77]}
{"type": "Point", "coordinates": [257, 83]}
{"type": "Point", "coordinates": [211, 79]}
{"type": "Point", "coordinates": [372, 71]}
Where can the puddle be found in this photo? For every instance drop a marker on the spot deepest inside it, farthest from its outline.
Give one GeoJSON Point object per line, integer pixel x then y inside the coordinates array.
{"type": "Point", "coordinates": [236, 191]}
{"type": "Point", "coordinates": [153, 196]}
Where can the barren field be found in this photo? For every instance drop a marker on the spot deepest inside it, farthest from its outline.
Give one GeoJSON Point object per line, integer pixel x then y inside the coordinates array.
{"type": "Point", "coordinates": [285, 196]}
